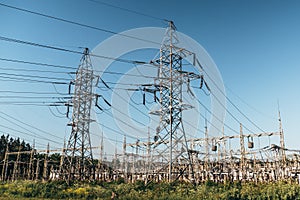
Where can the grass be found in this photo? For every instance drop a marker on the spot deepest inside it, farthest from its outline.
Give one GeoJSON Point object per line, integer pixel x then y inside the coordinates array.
{"type": "Point", "coordinates": [100, 190]}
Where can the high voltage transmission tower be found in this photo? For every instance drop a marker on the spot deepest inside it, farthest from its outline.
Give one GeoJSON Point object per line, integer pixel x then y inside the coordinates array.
{"type": "Point", "coordinates": [170, 151]}
{"type": "Point", "coordinates": [78, 157]}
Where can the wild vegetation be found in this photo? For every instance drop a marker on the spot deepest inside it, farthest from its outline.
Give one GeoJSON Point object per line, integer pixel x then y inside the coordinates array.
{"type": "Point", "coordinates": [21, 189]}
{"type": "Point", "coordinates": [121, 190]}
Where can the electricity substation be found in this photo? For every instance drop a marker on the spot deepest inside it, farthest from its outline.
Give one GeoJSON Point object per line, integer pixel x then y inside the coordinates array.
{"type": "Point", "coordinates": [167, 156]}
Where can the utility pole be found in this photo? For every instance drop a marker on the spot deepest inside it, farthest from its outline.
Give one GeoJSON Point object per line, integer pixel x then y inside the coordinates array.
{"type": "Point", "coordinates": [37, 169]}
{"type": "Point", "coordinates": [282, 145]}
{"type": "Point", "coordinates": [16, 170]}
{"type": "Point", "coordinates": [30, 167]}
{"type": "Point", "coordinates": [101, 149]}
{"type": "Point", "coordinates": [62, 158]}
{"type": "Point", "coordinates": [224, 145]}
{"type": "Point", "coordinates": [136, 162]}
{"type": "Point", "coordinates": [148, 163]}
{"type": "Point", "coordinates": [125, 171]}
{"type": "Point", "coordinates": [100, 161]}
{"type": "Point", "coordinates": [242, 146]}
{"type": "Point", "coordinates": [115, 166]}
{"type": "Point", "coordinates": [45, 170]}
{"type": "Point", "coordinates": [206, 159]}
{"type": "Point", "coordinates": [78, 158]}
{"type": "Point", "coordinates": [5, 164]}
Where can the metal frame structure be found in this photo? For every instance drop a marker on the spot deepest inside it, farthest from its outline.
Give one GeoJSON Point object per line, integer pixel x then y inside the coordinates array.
{"type": "Point", "coordinates": [78, 157]}
{"type": "Point", "coordinates": [174, 154]}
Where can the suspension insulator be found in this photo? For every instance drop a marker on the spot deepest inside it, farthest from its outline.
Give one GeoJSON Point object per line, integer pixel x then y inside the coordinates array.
{"type": "Point", "coordinates": [144, 98]}
{"type": "Point", "coordinates": [201, 83]}
{"type": "Point", "coordinates": [68, 110]}
{"type": "Point", "coordinates": [157, 130]}
{"type": "Point", "coordinates": [155, 138]}
{"type": "Point", "coordinates": [214, 148]}
{"type": "Point", "coordinates": [70, 86]}
{"type": "Point", "coordinates": [250, 145]}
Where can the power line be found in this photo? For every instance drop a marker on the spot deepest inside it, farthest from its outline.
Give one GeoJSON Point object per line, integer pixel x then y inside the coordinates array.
{"type": "Point", "coordinates": [197, 111]}
{"type": "Point", "coordinates": [215, 116]}
{"type": "Point", "coordinates": [68, 50]}
{"type": "Point", "coordinates": [75, 23]}
{"type": "Point", "coordinates": [68, 73]}
{"type": "Point", "coordinates": [244, 115]}
{"type": "Point", "coordinates": [60, 19]}
{"type": "Point", "coordinates": [33, 135]}
{"type": "Point", "coordinates": [72, 68]}
{"type": "Point", "coordinates": [108, 83]}
{"type": "Point", "coordinates": [205, 118]}
{"type": "Point", "coordinates": [5, 78]}
{"type": "Point", "coordinates": [118, 73]}
{"type": "Point", "coordinates": [212, 94]}
{"type": "Point", "coordinates": [43, 104]}
{"type": "Point", "coordinates": [128, 116]}
{"type": "Point", "coordinates": [157, 121]}
{"type": "Point", "coordinates": [34, 97]}
{"type": "Point", "coordinates": [235, 118]}
{"type": "Point", "coordinates": [49, 107]}
{"type": "Point", "coordinates": [29, 125]}
{"type": "Point", "coordinates": [185, 99]}
{"type": "Point", "coordinates": [128, 84]}
{"type": "Point", "coordinates": [33, 70]}
{"type": "Point", "coordinates": [29, 92]}
{"type": "Point", "coordinates": [107, 138]}
{"type": "Point", "coordinates": [34, 103]}
{"type": "Point", "coordinates": [191, 125]}
{"type": "Point", "coordinates": [129, 10]}
{"type": "Point", "coordinates": [35, 76]}
{"type": "Point", "coordinates": [10, 134]}
{"type": "Point", "coordinates": [116, 131]}
{"type": "Point", "coordinates": [37, 63]}
{"type": "Point", "coordinates": [250, 106]}
{"type": "Point", "coordinates": [123, 122]}
{"type": "Point", "coordinates": [126, 100]}
{"type": "Point", "coordinates": [231, 102]}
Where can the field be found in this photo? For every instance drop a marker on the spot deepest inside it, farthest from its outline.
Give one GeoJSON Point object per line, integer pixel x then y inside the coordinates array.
{"type": "Point", "coordinates": [120, 190]}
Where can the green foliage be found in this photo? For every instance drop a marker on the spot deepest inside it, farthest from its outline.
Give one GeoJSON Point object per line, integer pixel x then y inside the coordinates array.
{"type": "Point", "coordinates": [153, 191]}
{"type": "Point", "coordinates": [13, 145]}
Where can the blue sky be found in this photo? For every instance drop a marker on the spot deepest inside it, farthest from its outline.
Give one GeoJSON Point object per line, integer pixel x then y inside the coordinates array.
{"type": "Point", "coordinates": [255, 45]}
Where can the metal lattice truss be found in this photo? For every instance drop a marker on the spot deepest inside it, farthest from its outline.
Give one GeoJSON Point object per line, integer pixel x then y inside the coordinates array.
{"type": "Point", "coordinates": [170, 144]}
{"type": "Point", "coordinates": [78, 155]}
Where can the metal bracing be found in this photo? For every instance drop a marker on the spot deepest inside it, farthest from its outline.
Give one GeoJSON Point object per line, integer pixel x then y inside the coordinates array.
{"type": "Point", "coordinates": [169, 83]}
{"type": "Point", "coordinates": [78, 154]}
{"type": "Point", "coordinates": [282, 145]}
{"type": "Point", "coordinates": [243, 150]}
{"type": "Point", "coordinates": [217, 139]}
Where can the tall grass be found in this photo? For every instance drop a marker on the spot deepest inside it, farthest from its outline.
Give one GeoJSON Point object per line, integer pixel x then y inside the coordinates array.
{"type": "Point", "coordinates": [120, 190]}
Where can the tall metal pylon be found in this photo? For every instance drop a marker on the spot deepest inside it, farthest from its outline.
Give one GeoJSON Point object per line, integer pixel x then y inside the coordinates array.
{"type": "Point", "coordinates": [170, 143]}
{"type": "Point", "coordinates": [78, 156]}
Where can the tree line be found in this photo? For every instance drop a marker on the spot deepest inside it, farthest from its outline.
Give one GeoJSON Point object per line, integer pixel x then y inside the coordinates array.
{"type": "Point", "coordinates": [15, 164]}
{"type": "Point", "coordinates": [10, 144]}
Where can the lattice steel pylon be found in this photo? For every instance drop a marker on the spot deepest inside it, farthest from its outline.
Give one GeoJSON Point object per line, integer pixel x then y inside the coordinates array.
{"type": "Point", "coordinates": [78, 156]}
{"type": "Point", "coordinates": [170, 152]}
